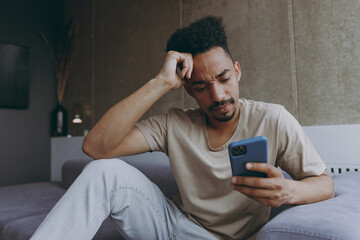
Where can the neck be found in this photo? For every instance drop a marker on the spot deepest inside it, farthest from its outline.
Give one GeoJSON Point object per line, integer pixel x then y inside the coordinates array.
{"type": "Point", "coordinates": [223, 126]}
{"type": "Point", "coordinates": [220, 132]}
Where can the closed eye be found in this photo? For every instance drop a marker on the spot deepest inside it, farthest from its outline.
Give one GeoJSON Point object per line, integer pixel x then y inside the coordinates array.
{"type": "Point", "coordinates": [225, 80]}
{"type": "Point", "coordinates": [200, 89]}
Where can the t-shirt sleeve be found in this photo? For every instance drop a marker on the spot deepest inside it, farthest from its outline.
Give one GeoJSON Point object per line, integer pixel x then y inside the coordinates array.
{"type": "Point", "coordinates": [296, 153]}
{"type": "Point", "coordinates": [154, 130]}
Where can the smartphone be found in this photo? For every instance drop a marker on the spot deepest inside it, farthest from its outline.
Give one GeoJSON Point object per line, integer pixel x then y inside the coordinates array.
{"type": "Point", "coordinates": [248, 150]}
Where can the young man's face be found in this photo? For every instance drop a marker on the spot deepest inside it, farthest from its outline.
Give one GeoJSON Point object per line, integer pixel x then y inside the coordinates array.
{"type": "Point", "coordinates": [214, 84]}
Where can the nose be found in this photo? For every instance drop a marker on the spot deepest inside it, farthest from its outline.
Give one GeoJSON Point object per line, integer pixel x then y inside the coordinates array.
{"type": "Point", "coordinates": [216, 93]}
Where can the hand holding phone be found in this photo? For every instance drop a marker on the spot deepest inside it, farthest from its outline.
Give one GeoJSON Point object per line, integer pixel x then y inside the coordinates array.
{"type": "Point", "coordinates": [248, 150]}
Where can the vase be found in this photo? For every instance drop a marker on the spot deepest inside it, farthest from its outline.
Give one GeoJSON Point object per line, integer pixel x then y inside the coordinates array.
{"type": "Point", "coordinates": [59, 120]}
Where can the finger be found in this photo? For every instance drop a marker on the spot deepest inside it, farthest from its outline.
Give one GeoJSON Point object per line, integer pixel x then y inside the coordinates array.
{"type": "Point", "coordinates": [256, 182]}
{"type": "Point", "coordinates": [184, 63]}
{"type": "Point", "coordinates": [270, 170]}
{"type": "Point", "coordinates": [178, 72]}
{"type": "Point", "coordinates": [187, 65]}
{"type": "Point", "coordinates": [190, 67]}
{"type": "Point", "coordinates": [265, 197]}
{"type": "Point", "coordinates": [253, 192]}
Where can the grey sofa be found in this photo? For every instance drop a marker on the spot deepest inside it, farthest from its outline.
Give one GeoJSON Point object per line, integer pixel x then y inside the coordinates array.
{"type": "Point", "coordinates": [23, 207]}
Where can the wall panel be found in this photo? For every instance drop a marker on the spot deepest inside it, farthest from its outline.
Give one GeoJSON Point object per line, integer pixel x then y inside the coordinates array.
{"type": "Point", "coordinates": [327, 37]}
{"type": "Point", "coordinates": [130, 42]}
{"type": "Point", "coordinates": [79, 92]}
{"type": "Point", "coordinates": [299, 53]}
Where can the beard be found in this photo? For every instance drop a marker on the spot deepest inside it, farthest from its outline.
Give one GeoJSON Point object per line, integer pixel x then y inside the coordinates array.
{"type": "Point", "coordinates": [223, 117]}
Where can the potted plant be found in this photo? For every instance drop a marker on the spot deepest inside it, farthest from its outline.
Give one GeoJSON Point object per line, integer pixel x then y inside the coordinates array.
{"type": "Point", "coordinates": [66, 52]}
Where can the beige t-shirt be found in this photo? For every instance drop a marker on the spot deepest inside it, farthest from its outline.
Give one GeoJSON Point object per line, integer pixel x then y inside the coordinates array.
{"type": "Point", "coordinates": [203, 174]}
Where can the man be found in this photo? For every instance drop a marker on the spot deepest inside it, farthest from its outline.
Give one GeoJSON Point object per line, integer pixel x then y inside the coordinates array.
{"type": "Point", "coordinates": [211, 204]}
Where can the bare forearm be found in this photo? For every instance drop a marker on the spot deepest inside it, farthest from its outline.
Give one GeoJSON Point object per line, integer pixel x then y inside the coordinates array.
{"type": "Point", "coordinates": [311, 189]}
{"type": "Point", "coordinates": [116, 123]}
{"type": "Point", "coordinates": [114, 134]}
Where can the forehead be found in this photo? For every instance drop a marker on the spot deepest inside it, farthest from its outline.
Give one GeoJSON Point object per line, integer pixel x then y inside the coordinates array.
{"type": "Point", "coordinates": [210, 64]}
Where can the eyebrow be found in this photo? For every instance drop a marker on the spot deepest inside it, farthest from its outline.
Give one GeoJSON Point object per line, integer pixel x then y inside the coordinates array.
{"type": "Point", "coordinates": [218, 76]}
{"type": "Point", "coordinates": [223, 73]}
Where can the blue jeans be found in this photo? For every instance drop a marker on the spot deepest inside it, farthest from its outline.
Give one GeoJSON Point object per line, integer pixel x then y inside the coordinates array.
{"type": "Point", "coordinates": [111, 187]}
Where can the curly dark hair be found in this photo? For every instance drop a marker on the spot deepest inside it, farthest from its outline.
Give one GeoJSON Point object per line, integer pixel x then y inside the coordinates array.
{"type": "Point", "coordinates": [199, 37]}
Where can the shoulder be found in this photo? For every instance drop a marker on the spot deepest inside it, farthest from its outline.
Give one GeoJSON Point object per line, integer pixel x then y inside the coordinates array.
{"type": "Point", "coordinates": [261, 109]}
{"type": "Point", "coordinates": [190, 114]}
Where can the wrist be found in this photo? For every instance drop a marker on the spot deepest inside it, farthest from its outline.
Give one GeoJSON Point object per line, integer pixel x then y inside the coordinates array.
{"type": "Point", "coordinates": [291, 192]}
{"type": "Point", "coordinates": [161, 82]}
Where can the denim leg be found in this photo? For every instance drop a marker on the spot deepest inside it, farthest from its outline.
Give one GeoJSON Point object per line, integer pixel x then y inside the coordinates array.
{"type": "Point", "coordinates": [135, 204]}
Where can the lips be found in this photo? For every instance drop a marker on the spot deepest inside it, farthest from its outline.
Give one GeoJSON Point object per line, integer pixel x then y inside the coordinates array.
{"type": "Point", "coordinates": [222, 108]}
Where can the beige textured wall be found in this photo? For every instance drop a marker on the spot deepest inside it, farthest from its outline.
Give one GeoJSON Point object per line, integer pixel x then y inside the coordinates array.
{"type": "Point", "coordinates": [327, 37]}
{"type": "Point", "coordinates": [303, 54]}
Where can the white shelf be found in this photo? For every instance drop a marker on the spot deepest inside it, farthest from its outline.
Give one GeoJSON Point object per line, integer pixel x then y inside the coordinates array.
{"type": "Point", "coordinates": [336, 144]}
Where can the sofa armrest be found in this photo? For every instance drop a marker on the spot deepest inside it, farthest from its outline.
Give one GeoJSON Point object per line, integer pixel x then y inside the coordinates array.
{"type": "Point", "coordinates": [336, 218]}
{"type": "Point", "coordinates": [154, 165]}
{"type": "Point", "coordinates": [71, 170]}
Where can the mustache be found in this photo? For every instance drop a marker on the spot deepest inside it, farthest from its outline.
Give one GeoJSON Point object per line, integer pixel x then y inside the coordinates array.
{"type": "Point", "coordinates": [222, 102]}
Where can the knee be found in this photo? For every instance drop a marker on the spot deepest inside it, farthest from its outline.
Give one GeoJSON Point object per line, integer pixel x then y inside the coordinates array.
{"type": "Point", "coordinates": [103, 166]}
{"type": "Point", "coordinates": [112, 174]}
{"type": "Point", "coordinates": [107, 169]}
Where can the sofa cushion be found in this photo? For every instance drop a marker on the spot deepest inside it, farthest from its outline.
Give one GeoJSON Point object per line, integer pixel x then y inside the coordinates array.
{"type": "Point", "coordinates": [108, 231]}
{"type": "Point", "coordinates": [71, 170]}
{"type": "Point", "coordinates": [23, 207]}
{"type": "Point", "coordinates": [21, 201]}
{"type": "Point", "coordinates": [155, 166]}
{"type": "Point", "coordinates": [336, 218]}
{"type": "Point", "coordinates": [23, 228]}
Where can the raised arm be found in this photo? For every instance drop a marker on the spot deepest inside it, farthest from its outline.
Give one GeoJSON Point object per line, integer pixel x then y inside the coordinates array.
{"type": "Point", "coordinates": [115, 133]}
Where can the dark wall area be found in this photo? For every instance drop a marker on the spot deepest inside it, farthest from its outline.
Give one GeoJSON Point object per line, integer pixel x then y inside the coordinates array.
{"type": "Point", "coordinates": [302, 54]}
{"type": "Point", "coordinates": [25, 134]}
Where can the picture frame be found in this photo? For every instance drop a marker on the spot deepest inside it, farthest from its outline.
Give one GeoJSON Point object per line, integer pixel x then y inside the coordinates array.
{"type": "Point", "coordinates": [14, 76]}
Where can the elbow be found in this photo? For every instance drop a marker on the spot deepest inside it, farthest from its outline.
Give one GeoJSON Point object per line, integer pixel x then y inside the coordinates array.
{"type": "Point", "coordinates": [93, 149]}
{"type": "Point", "coordinates": [332, 188]}
{"type": "Point", "coordinates": [330, 194]}
{"type": "Point", "coordinates": [331, 184]}
{"type": "Point", "coordinates": [88, 149]}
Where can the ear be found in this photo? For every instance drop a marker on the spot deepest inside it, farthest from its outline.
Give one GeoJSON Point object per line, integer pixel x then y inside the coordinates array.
{"type": "Point", "coordinates": [237, 70]}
